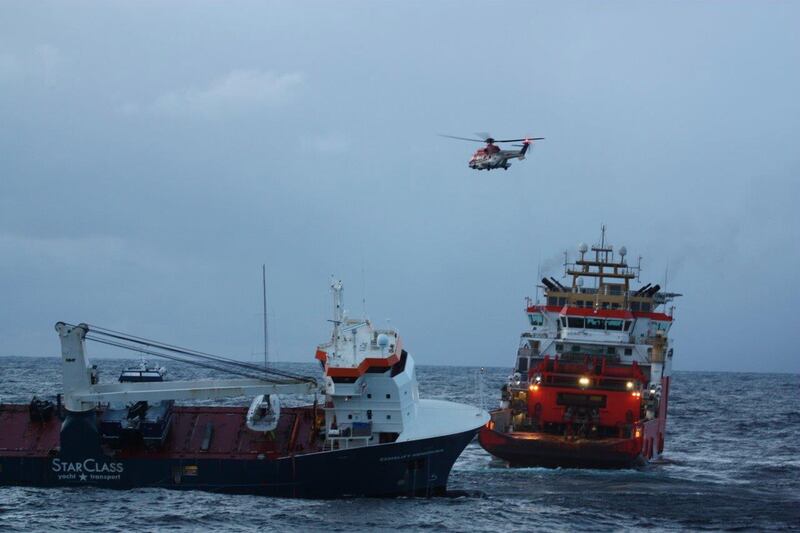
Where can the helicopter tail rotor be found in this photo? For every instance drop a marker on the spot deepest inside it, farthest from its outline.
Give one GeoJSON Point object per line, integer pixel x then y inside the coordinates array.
{"type": "Point", "coordinates": [527, 144]}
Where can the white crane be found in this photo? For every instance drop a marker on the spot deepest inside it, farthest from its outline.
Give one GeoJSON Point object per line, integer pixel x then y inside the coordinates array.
{"type": "Point", "coordinates": [82, 392]}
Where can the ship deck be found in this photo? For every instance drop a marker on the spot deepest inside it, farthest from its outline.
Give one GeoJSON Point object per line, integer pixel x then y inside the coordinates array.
{"type": "Point", "coordinates": [196, 431]}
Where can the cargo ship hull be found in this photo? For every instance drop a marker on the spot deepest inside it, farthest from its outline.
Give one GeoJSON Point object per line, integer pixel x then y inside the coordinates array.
{"type": "Point", "coordinates": [223, 460]}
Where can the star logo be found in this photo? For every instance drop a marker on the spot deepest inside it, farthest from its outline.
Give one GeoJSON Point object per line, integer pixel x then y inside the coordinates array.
{"type": "Point", "coordinates": [83, 477]}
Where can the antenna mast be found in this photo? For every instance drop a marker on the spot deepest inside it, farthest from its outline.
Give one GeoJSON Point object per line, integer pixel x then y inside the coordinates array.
{"type": "Point", "coordinates": [264, 293]}
{"type": "Point", "coordinates": [363, 289]}
{"type": "Point", "coordinates": [538, 277]}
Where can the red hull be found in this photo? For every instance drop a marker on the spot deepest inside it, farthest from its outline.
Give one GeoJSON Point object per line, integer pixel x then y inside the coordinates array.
{"type": "Point", "coordinates": [230, 438]}
{"type": "Point", "coordinates": [526, 449]}
{"type": "Point", "coordinates": [541, 449]}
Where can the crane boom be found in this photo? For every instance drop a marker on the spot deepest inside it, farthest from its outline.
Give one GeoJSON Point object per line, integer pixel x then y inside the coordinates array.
{"type": "Point", "coordinates": [82, 392]}
{"type": "Point", "coordinates": [185, 390]}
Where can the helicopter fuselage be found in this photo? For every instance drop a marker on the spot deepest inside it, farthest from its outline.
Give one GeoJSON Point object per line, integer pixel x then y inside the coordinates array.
{"type": "Point", "coordinates": [481, 160]}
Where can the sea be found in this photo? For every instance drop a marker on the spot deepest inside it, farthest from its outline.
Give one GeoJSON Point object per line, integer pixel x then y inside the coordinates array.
{"type": "Point", "coordinates": [731, 462]}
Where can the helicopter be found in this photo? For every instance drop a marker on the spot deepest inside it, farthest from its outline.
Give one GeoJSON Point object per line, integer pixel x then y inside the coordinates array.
{"type": "Point", "coordinates": [491, 156]}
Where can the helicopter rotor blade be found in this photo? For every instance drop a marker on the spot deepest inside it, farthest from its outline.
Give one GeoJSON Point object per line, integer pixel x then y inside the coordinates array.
{"type": "Point", "coordinates": [483, 135]}
{"type": "Point", "coordinates": [462, 138]}
{"type": "Point", "coordinates": [518, 140]}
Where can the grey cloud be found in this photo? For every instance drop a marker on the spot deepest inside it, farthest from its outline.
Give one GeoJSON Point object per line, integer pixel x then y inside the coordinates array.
{"type": "Point", "coordinates": [42, 63]}
{"type": "Point", "coordinates": [237, 92]}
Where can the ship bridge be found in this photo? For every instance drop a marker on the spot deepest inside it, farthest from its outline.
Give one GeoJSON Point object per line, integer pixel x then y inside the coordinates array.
{"type": "Point", "coordinates": [598, 313]}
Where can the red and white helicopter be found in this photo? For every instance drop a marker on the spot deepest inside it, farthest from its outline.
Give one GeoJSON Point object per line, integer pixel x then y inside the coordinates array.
{"type": "Point", "coordinates": [491, 156]}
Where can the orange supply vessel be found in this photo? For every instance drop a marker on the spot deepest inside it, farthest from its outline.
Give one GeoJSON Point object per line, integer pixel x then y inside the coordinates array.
{"type": "Point", "coordinates": [592, 375]}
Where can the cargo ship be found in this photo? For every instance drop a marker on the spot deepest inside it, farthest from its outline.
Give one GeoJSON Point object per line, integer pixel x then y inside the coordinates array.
{"type": "Point", "coordinates": [591, 381]}
{"type": "Point", "coordinates": [369, 434]}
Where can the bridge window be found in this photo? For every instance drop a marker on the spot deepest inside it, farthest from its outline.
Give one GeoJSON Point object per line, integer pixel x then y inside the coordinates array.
{"type": "Point", "coordinates": [628, 351]}
{"type": "Point", "coordinates": [399, 366]}
{"type": "Point", "coordinates": [594, 323]}
{"type": "Point", "coordinates": [552, 300]}
{"type": "Point", "coordinates": [522, 365]}
{"type": "Point", "coordinates": [614, 325]}
{"type": "Point", "coordinates": [563, 321]}
{"type": "Point", "coordinates": [536, 319]}
{"type": "Point", "coordinates": [627, 325]}
{"type": "Point", "coordinates": [575, 322]}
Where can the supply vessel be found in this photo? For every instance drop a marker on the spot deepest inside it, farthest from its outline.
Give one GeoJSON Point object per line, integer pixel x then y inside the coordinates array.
{"type": "Point", "coordinates": [591, 380]}
{"type": "Point", "coordinates": [368, 434]}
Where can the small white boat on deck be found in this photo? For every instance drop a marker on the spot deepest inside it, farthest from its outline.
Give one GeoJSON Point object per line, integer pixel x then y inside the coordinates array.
{"type": "Point", "coordinates": [264, 413]}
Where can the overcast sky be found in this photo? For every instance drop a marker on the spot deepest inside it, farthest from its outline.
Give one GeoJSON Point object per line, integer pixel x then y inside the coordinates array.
{"type": "Point", "coordinates": [153, 155]}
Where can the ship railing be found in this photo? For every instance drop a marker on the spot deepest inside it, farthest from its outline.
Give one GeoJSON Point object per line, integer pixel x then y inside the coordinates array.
{"type": "Point", "coordinates": [578, 357]}
{"type": "Point", "coordinates": [349, 435]}
{"type": "Point", "coordinates": [601, 382]}
{"type": "Point", "coordinates": [592, 290]}
{"type": "Point", "coordinates": [344, 443]}
{"type": "Point", "coordinates": [658, 298]}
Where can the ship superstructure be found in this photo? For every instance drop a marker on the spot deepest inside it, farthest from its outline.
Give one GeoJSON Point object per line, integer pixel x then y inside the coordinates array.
{"type": "Point", "coordinates": [591, 378]}
{"type": "Point", "coordinates": [372, 391]}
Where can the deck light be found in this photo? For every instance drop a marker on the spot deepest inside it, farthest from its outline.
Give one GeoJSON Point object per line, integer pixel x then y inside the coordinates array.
{"type": "Point", "coordinates": [629, 385]}
{"type": "Point", "coordinates": [583, 381]}
{"type": "Point", "coordinates": [533, 387]}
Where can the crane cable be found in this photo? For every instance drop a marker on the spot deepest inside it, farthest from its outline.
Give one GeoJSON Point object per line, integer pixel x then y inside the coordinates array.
{"type": "Point", "coordinates": [192, 357]}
